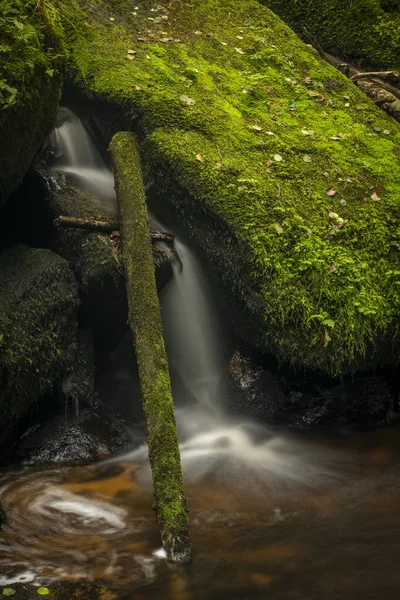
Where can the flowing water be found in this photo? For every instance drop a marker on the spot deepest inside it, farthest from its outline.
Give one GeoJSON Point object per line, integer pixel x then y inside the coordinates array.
{"type": "Point", "coordinates": [272, 514]}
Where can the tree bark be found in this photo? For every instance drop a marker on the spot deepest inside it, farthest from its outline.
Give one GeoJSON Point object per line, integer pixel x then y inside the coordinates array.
{"type": "Point", "coordinates": [145, 322]}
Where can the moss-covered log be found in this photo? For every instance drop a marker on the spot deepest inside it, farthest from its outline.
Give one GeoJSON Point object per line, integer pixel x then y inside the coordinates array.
{"type": "Point", "coordinates": [145, 323]}
{"type": "Point", "coordinates": [363, 30]}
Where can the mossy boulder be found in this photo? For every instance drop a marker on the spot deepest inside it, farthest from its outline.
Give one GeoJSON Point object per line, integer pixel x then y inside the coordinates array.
{"type": "Point", "coordinates": [38, 309]}
{"type": "Point", "coordinates": [32, 59]}
{"type": "Point", "coordinates": [364, 30]}
{"type": "Point", "coordinates": [286, 173]}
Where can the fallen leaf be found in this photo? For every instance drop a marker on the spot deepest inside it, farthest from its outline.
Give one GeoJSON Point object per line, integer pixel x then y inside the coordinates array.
{"type": "Point", "coordinates": [268, 170]}
{"type": "Point", "coordinates": [325, 174]}
{"type": "Point", "coordinates": [198, 32]}
{"type": "Point", "coordinates": [269, 133]}
{"type": "Point", "coordinates": [130, 56]}
{"type": "Point", "coordinates": [138, 88]}
{"type": "Point", "coordinates": [331, 192]}
{"type": "Point", "coordinates": [308, 132]}
{"type": "Point", "coordinates": [343, 202]}
{"type": "Point", "coordinates": [9, 591]}
{"type": "Point", "coordinates": [131, 51]}
{"type": "Point", "coordinates": [239, 37]}
{"type": "Point", "coordinates": [112, 19]}
{"type": "Point", "coordinates": [256, 128]}
{"type": "Point", "coordinates": [336, 138]}
{"type": "Point", "coordinates": [375, 197]}
{"type": "Point", "coordinates": [333, 268]}
{"type": "Point", "coordinates": [239, 51]}
{"type": "Point", "coordinates": [43, 591]}
{"type": "Point", "coordinates": [312, 94]}
{"type": "Point", "coordinates": [141, 39]}
{"type": "Point", "coordinates": [386, 131]}
{"type": "Point", "coordinates": [333, 215]}
{"type": "Point", "coordinates": [200, 157]}
{"type": "Point", "coordinates": [307, 158]}
{"type": "Point", "coordinates": [187, 100]}
{"type": "Point", "coordinates": [278, 158]}
{"type": "Point", "coordinates": [218, 166]}
{"type": "Point", "coordinates": [347, 105]}
{"type": "Point", "coordinates": [269, 163]}
{"type": "Point", "coordinates": [223, 43]}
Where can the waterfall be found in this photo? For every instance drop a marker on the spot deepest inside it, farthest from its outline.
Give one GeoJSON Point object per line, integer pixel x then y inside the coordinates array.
{"type": "Point", "coordinates": [195, 342]}
{"type": "Point", "coordinates": [76, 155]}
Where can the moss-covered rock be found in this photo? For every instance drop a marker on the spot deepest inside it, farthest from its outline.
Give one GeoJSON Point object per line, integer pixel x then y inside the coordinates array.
{"type": "Point", "coordinates": [365, 30]}
{"type": "Point", "coordinates": [38, 309]}
{"type": "Point", "coordinates": [294, 173]}
{"type": "Point", "coordinates": [32, 58]}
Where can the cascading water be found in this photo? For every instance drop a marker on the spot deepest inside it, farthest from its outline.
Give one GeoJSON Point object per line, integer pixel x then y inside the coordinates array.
{"type": "Point", "coordinates": [75, 155]}
{"type": "Point", "coordinates": [264, 508]}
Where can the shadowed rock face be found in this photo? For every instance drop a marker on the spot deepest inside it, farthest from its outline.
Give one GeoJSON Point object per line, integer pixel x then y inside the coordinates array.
{"type": "Point", "coordinates": [306, 402]}
{"type": "Point", "coordinates": [38, 309]}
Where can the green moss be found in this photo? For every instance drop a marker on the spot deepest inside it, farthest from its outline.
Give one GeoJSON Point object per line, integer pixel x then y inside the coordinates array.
{"type": "Point", "coordinates": [322, 291]}
{"type": "Point", "coordinates": [145, 323]}
{"type": "Point", "coordinates": [38, 306]}
{"type": "Point", "coordinates": [32, 54]}
{"type": "Point", "coordinates": [365, 30]}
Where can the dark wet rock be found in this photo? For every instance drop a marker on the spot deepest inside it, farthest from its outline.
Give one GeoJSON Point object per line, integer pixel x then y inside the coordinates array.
{"type": "Point", "coordinates": [77, 388]}
{"type": "Point", "coordinates": [93, 258]}
{"type": "Point", "coordinates": [38, 309]}
{"type": "Point", "coordinates": [3, 516]}
{"type": "Point", "coordinates": [258, 395]}
{"type": "Point", "coordinates": [363, 401]}
{"type": "Point", "coordinates": [307, 402]}
{"type": "Point", "coordinates": [93, 436]}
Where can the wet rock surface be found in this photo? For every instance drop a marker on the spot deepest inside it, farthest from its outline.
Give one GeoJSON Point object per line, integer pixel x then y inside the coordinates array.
{"type": "Point", "coordinates": [78, 388]}
{"type": "Point", "coordinates": [287, 399]}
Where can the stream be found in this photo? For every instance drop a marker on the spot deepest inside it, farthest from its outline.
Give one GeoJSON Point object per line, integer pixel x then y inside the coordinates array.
{"type": "Point", "coordinates": [273, 514]}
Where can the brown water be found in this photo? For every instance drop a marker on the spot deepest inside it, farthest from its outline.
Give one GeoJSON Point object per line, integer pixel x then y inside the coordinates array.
{"type": "Point", "coordinates": [330, 532]}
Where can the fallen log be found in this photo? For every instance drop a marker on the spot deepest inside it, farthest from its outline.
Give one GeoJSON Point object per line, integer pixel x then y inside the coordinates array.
{"type": "Point", "coordinates": [375, 74]}
{"type": "Point", "coordinates": [145, 322]}
{"type": "Point", "coordinates": [385, 95]}
{"type": "Point", "coordinates": [105, 227]}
